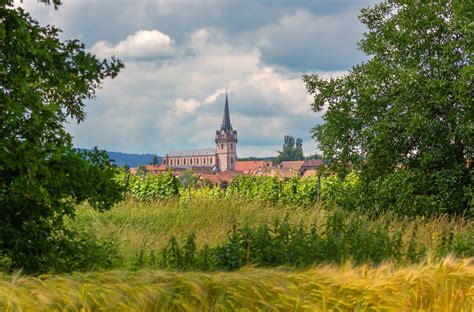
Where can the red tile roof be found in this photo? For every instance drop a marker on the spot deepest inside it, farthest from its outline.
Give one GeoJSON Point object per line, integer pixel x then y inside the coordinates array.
{"type": "Point", "coordinates": [281, 173]}
{"type": "Point", "coordinates": [310, 173]}
{"type": "Point", "coordinates": [313, 163]}
{"type": "Point", "coordinates": [210, 177]}
{"type": "Point", "coordinates": [218, 177]}
{"type": "Point", "coordinates": [292, 164]}
{"type": "Point", "coordinates": [226, 175]}
{"type": "Point", "coordinates": [153, 168]}
{"type": "Point", "coordinates": [248, 166]}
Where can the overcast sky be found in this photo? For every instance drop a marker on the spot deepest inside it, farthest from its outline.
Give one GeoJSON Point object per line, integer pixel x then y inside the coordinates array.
{"type": "Point", "coordinates": [181, 56]}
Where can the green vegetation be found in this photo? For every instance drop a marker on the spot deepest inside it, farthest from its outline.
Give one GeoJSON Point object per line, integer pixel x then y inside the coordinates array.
{"type": "Point", "coordinates": [205, 233]}
{"type": "Point", "coordinates": [346, 193]}
{"type": "Point", "coordinates": [340, 239]}
{"type": "Point", "coordinates": [146, 186]}
{"type": "Point", "coordinates": [290, 151]}
{"type": "Point", "coordinates": [43, 83]}
{"type": "Point", "coordinates": [295, 191]}
{"type": "Point", "coordinates": [154, 160]}
{"type": "Point", "coordinates": [138, 227]}
{"type": "Point", "coordinates": [404, 118]}
{"type": "Point", "coordinates": [174, 233]}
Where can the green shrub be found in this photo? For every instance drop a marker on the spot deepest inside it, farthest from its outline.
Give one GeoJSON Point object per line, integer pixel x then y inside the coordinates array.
{"type": "Point", "coordinates": [461, 244]}
{"type": "Point", "coordinates": [405, 192]}
{"type": "Point", "coordinates": [345, 193]}
{"type": "Point", "coordinates": [81, 251]}
{"type": "Point", "coordinates": [150, 187]}
{"type": "Point", "coordinates": [343, 237]}
{"type": "Point", "coordinates": [69, 250]}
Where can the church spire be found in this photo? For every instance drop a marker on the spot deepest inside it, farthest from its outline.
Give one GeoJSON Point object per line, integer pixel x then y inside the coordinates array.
{"type": "Point", "coordinates": [226, 118]}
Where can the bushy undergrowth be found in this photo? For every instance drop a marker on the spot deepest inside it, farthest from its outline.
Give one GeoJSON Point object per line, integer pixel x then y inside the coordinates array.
{"type": "Point", "coordinates": [174, 234]}
{"type": "Point", "coordinates": [71, 250]}
{"type": "Point", "coordinates": [150, 187]}
{"type": "Point", "coordinates": [343, 238]}
{"type": "Point", "coordinates": [439, 286]}
{"type": "Point", "coordinates": [139, 227]}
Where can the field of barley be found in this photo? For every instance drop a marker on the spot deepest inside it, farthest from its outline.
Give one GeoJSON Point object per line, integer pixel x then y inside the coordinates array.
{"type": "Point", "coordinates": [443, 286]}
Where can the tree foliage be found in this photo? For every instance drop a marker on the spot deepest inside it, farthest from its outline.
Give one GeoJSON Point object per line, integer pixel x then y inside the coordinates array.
{"type": "Point", "coordinates": [142, 170]}
{"type": "Point", "coordinates": [149, 186]}
{"type": "Point", "coordinates": [154, 160]}
{"type": "Point", "coordinates": [405, 117]}
{"type": "Point", "coordinates": [252, 158]}
{"type": "Point", "coordinates": [188, 179]}
{"type": "Point", "coordinates": [290, 151]}
{"type": "Point", "coordinates": [43, 83]}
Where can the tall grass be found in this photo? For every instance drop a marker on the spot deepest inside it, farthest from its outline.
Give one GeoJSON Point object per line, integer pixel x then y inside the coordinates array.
{"type": "Point", "coordinates": [139, 228]}
{"type": "Point", "coordinates": [442, 286]}
{"type": "Point", "coordinates": [135, 225]}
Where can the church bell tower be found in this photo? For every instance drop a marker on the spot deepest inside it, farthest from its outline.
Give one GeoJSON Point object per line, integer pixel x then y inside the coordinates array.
{"type": "Point", "coordinates": [226, 142]}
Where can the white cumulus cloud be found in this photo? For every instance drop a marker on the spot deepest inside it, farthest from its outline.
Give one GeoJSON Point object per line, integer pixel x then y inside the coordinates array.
{"type": "Point", "coordinates": [185, 106]}
{"type": "Point", "coordinates": [142, 44]}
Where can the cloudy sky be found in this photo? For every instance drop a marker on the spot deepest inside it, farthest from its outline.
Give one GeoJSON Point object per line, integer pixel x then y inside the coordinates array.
{"type": "Point", "coordinates": [181, 56]}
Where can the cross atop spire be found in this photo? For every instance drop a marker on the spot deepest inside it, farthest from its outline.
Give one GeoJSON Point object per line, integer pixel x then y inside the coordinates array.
{"type": "Point", "coordinates": [226, 118]}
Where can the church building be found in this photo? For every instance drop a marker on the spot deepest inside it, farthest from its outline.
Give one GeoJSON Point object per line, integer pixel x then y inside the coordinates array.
{"type": "Point", "coordinates": [221, 158]}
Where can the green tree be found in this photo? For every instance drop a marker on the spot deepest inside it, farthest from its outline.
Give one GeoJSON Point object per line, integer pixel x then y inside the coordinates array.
{"type": "Point", "coordinates": [289, 151]}
{"type": "Point", "coordinates": [298, 151]}
{"type": "Point", "coordinates": [44, 82]}
{"type": "Point", "coordinates": [154, 160]}
{"type": "Point", "coordinates": [288, 143]}
{"type": "Point", "coordinates": [188, 179]}
{"type": "Point", "coordinates": [313, 157]}
{"type": "Point", "coordinates": [405, 117]}
{"type": "Point", "coordinates": [250, 158]}
{"type": "Point", "coordinates": [141, 170]}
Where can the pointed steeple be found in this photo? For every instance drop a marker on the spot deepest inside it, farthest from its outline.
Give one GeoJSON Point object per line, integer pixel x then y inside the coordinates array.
{"type": "Point", "coordinates": [226, 118]}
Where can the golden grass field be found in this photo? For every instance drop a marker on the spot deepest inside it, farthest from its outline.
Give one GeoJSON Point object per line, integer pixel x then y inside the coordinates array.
{"type": "Point", "coordinates": [441, 286]}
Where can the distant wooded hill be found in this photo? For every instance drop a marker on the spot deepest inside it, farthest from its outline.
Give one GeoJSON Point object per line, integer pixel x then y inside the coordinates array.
{"type": "Point", "coordinates": [132, 160]}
